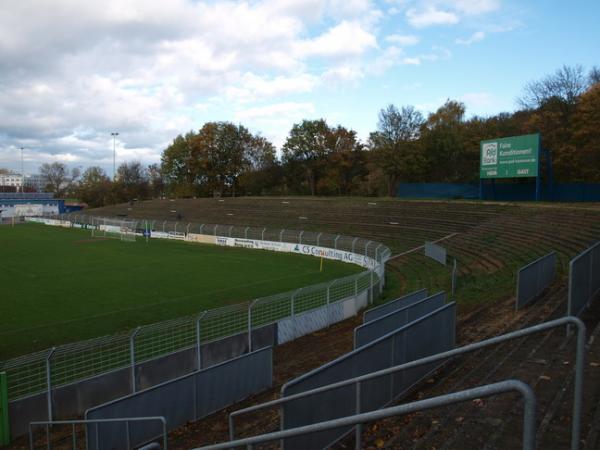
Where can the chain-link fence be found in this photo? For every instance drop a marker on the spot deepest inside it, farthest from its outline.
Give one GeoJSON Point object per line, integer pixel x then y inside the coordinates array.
{"type": "Point", "coordinates": [45, 370]}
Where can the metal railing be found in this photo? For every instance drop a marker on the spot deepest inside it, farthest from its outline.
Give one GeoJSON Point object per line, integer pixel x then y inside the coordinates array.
{"type": "Point", "coordinates": [48, 369]}
{"type": "Point", "coordinates": [584, 279]}
{"type": "Point", "coordinates": [456, 397]}
{"type": "Point", "coordinates": [579, 371]}
{"type": "Point", "coordinates": [95, 422]}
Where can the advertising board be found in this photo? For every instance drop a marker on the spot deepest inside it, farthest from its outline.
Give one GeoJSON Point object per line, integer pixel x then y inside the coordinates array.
{"type": "Point", "coordinates": [510, 157]}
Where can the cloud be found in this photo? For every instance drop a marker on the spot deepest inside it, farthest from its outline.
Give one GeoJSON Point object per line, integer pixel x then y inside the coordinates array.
{"type": "Point", "coordinates": [475, 37]}
{"type": "Point", "coordinates": [426, 13]}
{"type": "Point", "coordinates": [402, 40]}
{"type": "Point", "coordinates": [430, 15]}
{"type": "Point", "coordinates": [72, 72]}
{"type": "Point", "coordinates": [345, 39]}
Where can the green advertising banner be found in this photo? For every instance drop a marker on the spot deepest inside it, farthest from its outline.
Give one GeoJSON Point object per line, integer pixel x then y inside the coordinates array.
{"type": "Point", "coordinates": [510, 157]}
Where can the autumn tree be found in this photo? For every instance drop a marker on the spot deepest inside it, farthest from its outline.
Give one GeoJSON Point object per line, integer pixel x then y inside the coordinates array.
{"type": "Point", "coordinates": [395, 145]}
{"type": "Point", "coordinates": [94, 187]}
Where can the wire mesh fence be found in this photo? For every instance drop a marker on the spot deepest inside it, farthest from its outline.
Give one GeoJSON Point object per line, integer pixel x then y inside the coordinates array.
{"type": "Point", "coordinates": [38, 372]}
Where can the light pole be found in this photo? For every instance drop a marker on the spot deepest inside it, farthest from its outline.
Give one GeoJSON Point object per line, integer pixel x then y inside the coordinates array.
{"type": "Point", "coordinates": [114, 135]}
{"type": "Point", "coordinates": [22, 173]}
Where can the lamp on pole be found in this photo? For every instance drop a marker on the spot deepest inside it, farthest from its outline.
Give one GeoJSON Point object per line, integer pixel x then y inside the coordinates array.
{"type": "Point", "coordinates": [114, 135]}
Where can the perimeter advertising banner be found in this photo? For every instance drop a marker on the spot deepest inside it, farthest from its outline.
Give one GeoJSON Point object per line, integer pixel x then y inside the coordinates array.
{"type": "Point", "coordinates": [511, 157]}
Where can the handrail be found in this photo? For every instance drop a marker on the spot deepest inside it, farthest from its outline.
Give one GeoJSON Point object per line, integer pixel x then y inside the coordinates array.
{"type": "Point", "coordinates": [579, 368]}
{"type": "Point", "coordinates": [126, 420]}
{"type": "Point", "coordinates": [442, 400]}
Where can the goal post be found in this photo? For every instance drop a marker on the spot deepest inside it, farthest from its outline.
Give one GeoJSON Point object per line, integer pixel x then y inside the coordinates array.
{"type": "Point", "coordinates": [122, 229]}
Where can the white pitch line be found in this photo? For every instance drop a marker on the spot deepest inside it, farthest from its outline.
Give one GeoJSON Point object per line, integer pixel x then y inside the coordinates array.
{"type": "Point", "coordinates": [420, 247]}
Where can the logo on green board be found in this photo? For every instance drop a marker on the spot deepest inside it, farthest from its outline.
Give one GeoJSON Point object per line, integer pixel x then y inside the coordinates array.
{"type": "Point", "coordinates": [510, 157]}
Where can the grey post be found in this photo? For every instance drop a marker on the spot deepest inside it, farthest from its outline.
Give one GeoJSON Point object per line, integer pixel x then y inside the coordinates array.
{"type": "Point", "coordinates": [250, 325]}
{"type": "Point", "coordinates": [49, 381]}
{"type": "Point", "coordinates": [372, 287]}
{"type": "Point", "coordinates": [354, 242]}
{"type": "Point", "coordinates": [318, 238]}
{"type": "Point", "coordinates": [230, 228]}
{"type": "Point", "coordinates": [215, 230]}
{"type": "Point", "coordinates": [300, 237]}
{"type": "Point", "coordinates": [164, 223]}
{"type": "Point", "coordinates": [358, 431]}
{"type": "Point", "coordinates": [262, 235]}
{"type": "Point", "coordinates": [201, 227]}
{"type": "Point", "coordinates": [132, 356]}
{"type": "Point", "coordinates": [367, 246]}
{"type": "Point", "coordinates": [199, 341]}
{"type": "Point", "coordinates": [281, 235]}
{"type": "Point", "coordinates": [175, 228]}
{"type": "Point", "coordinates": [335, 241]}
{"type": "Point", "coordinates": [187, 230]}
{"type": "Point", "coordinates": [246, 232]}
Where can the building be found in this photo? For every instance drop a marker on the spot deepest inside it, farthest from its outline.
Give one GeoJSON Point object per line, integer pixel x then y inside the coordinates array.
{"type": "Point", "coordinates": [31, 183]}
{"type": "Point", "coordinates": [12, 180]}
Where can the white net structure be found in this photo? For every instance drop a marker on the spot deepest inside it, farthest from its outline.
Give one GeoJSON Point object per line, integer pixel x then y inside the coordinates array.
{"type": "Point", "coordinates": [124, 230]}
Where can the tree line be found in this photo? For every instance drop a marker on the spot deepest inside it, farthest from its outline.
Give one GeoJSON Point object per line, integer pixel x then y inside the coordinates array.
{"type": "Point", "coordinates": [318, 158]}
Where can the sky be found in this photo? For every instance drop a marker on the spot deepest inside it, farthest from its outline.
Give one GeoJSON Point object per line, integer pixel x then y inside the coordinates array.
{"type": "Point", "coordinates": [72, 71]}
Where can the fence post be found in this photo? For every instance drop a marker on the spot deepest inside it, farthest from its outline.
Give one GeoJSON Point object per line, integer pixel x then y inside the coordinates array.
{"type": "Point", "coordinates": [281, 235]}
{"type": "Point", "coordinates": [230, 228]}
{"type": "Point", "coordinates": [372, 287]}
{"type": "Point", "coordinates": [198, 341]}
{"type": "Point", "coordinates": [4, 422]}
{"type": "Point", "coordinates": [250, 325]}
{"type": "Point", "coordinates": [132, 356]}
{"type": "Point", "coordinates": [454, 276]}
{"type": "Point", "coordinates": [367, 246]}
{"type": "Point", "coordinates": [175, 229]}
{"type": "Point", "coordinates": [215, 230]}
{"type": "Point", "coordinates": [164, 223]}
{"type": "Point", "coordinates": [49, 382]}
{"type": "Point", "coordinates": [353, 242]}
{"type": "Point", "coordinates": [335, 241]}
{"type": "Point", "coordinates": [246, 232]}
{"type": "Point", "coordinates": [318, 237]}
{"type": "Point", "coordinates": [262, 236]}
{"type": "Point", "coordinates": [187, 230]}
{"type": "Point", "coordinates": [300, 237]}
{"type": "Point", "coordinates": [201, 227]}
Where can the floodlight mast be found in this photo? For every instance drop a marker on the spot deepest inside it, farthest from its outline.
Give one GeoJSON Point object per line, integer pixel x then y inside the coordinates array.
{"type": "Point", "coordinates": [22, 172]}
{"type": "Point", "coordinates": [114, 135]}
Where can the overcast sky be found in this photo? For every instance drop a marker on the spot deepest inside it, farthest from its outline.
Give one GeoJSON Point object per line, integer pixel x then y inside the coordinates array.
{"type": "Point", "coordinates": [73, 71]}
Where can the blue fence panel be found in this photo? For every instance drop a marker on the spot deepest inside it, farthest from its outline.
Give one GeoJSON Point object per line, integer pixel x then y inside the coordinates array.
{"type": "Point", "coordinates": [431, 334]}
{"type": "Point", "coordinates": [436, 252]}
{"type": "Point", "coordinates": [533, 278]}
{"type": "Point", "coordinates": [584, 279]}
{"type": "Point", "coordinates": [375, 329]}
{"type": "Point", "coordinates": [394, 305]}
{"type": "Point", "coordinates": [502, 191]}
{"type": "Point", "coordinates": [179, 401]}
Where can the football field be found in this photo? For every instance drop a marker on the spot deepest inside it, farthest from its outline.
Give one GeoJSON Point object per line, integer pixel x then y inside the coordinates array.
{"type": "Point", "coordinates": [62, 285]}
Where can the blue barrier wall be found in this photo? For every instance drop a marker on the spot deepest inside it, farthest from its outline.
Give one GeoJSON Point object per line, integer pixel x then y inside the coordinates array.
{"type": "Point", "coordinates": [501, 191]}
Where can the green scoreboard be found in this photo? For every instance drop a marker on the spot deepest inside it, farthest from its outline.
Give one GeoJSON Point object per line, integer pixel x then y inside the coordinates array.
{"type": "Point", "coordinates": [510, 157]}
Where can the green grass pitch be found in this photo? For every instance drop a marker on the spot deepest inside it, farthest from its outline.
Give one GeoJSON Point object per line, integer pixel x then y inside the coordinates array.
{"type": "Point", "coordinates": [61, 285]}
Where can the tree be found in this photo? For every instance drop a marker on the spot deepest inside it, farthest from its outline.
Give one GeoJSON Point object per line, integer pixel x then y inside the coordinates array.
{"type": "Point", "coordinates": [444, 143]}
{"type": "Point", "coordinates": [131, 182]}
{"type": "Point", "coordinates": [95, 187]}
{"type": "Point", "coordinates": [566, 84]}
{"type": "Point", "coordinates": [59, 180]}
{"type": "Point", "coordinates": [395, 145]}
{"type": "Point", "coordinates": [586, 124]}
